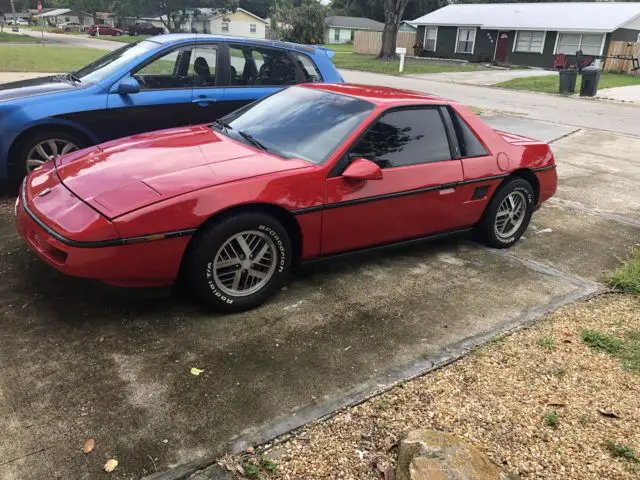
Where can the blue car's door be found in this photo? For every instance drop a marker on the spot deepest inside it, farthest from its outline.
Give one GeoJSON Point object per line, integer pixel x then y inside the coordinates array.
{"type": "Point", "coordinates": [207, 68]}
{"type": "Point", "coordinates": [255, 71]}
{"type": "Point", "coordinates": [164, 100]}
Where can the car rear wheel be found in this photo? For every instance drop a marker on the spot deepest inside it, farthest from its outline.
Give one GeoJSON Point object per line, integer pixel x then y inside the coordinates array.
{"type": "Point", "coordinates": [508, 214]}
{"type": "Point", "coordinates": [239, 262]}
{"type": "Point", "coordinates": [39, 148]}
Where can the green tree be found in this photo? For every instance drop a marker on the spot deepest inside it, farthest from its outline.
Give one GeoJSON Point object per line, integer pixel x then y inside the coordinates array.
{"type": "Point", "coordinates": [304, 24]}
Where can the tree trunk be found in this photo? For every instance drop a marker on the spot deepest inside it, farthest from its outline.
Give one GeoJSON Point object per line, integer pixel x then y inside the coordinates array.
{"type": "Point", "coordinates": [393, 11]}
{"type": "Point", "coordinates": [389, 36]}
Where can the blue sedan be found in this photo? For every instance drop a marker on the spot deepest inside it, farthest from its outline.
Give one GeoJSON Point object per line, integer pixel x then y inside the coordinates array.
{"type": "Point", "coordinates": [163, 82]}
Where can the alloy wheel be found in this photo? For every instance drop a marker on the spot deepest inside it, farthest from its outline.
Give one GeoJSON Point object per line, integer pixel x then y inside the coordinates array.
{"type": "Point", "coordinates": [511, 214]}
{"type": "Point", "coordinates": [244, 263]}
{"type": "Point", "coordinates": [46, 150]}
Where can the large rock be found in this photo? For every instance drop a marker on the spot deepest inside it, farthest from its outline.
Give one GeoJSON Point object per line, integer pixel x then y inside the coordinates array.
{"type": "Point", "coordinates": [433, 455]}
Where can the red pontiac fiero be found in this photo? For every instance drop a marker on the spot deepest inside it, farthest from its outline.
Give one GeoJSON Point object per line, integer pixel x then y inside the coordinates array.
{"type": "Point", "coordinates": [309, 172]}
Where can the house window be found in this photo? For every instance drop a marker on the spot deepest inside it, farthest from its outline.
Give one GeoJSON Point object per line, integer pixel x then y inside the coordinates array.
{"type": "Point", "coordinates": [67, 19]}
{"type": "Point", "coordinates": [570, 43]}
{"type": "Point", "coordinates": [430, 37]}
{"type": "Point", "coordinates": [529, 41]}
{"type": "Point", "coordinates": [336, 34]}
{"type": "Point", "coordinates": [252, 28]}
{"type": "Point", "coordinates": [225, 26]}
{"type": "Point", "coordinates": [465, 42]}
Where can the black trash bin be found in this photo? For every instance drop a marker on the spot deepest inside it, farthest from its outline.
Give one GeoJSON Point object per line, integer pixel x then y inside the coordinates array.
{"type": "Point", "coordinates": [590, 80]}
{"type": "Point", "coordinates": [568, 78]}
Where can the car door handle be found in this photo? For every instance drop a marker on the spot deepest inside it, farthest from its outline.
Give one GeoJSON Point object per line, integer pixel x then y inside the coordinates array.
{"type": "Point", "coordinates": [203, 102]}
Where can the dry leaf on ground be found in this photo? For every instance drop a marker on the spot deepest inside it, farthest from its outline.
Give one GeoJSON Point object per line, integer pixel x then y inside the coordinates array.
{"type": "Point", "coordinates": [89, 445]}
{"type": "Point", "coordinates": [111, 465]}
{"type": "Point", "coordinates": [196, 371]}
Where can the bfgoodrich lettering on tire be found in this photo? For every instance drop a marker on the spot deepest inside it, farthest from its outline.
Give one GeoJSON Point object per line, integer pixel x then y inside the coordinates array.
{"type": "Point", "coordinates": [239, 262]}
{"type": "Point", "coordinates": [508, 214]}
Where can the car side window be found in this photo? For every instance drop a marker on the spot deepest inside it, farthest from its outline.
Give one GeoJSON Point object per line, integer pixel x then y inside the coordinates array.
{"type": "Point", "coordinates": [405, 137]}
{"type": "Point", "coordinates": [309, 69]}
{"type": "Point", "coordinates": [170, 71]}
{"type": "Point", "coordinates": [202, 65]}
{"type": "Point", "coordinates": [470, 146]}
{"type": "Point", "coordinates": [252, 65]}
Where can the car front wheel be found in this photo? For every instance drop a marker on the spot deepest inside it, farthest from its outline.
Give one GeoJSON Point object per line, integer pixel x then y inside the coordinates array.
{"type": "Point", "coordinates": [508, 214]}
{"type": "Point", "coordinates": [39, 148]}
{"type": "Point", "coordinates": [239, 262]}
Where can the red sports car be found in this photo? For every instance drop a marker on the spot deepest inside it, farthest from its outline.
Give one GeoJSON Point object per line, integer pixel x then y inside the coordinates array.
{"type": "Point", "coordinates": [312, 171]}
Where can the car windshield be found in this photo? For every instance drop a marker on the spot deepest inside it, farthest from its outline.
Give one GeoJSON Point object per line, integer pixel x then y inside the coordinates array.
{"type": "Point", "coordinates": [297, 122]}
{"type": "Point", "coordinates": [105, 66]}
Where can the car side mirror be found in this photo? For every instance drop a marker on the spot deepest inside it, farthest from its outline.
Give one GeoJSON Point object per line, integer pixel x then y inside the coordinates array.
{"type": "Point", "coordinates": [128, 86]}
{"type": "Point", "coordinates": [362, 169]}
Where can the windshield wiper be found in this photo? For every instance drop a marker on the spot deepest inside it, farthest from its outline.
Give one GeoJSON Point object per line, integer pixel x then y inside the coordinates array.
{"type": "Point", "coordinates": [223, 125]}
{"type": "Point", "coordinates": [251, 139]}
{"type": "Point", "coordinates": [74, 77]}
{"type": "Point", "coordinates": [68, 77]}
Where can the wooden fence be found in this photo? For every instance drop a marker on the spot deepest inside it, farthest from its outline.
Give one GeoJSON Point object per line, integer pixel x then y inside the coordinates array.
{"type": "Point", "coordinates": [371, 42]}
{"type": "Point", "coordinates": [618, 47]}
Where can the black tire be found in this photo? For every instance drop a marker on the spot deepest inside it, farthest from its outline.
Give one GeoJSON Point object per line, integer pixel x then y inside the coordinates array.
{"type": "Point", "coordinates": [486, 230]}
{"type": "Point", "coordinates": [200, 256]}
{"type": "Point", "coordinates": [18, 164]}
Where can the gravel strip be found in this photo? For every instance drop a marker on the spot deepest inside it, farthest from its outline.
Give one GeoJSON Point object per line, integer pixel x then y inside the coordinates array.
{"type": "Point", "coordinates": [498, 398]}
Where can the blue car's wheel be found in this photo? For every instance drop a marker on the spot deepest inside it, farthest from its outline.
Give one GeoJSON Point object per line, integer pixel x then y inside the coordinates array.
{"type": "Point", "coordinates": [37, 149]}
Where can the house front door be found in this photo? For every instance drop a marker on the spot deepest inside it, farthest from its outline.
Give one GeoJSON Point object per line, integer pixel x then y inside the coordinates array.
{"type": "Point", "coordinates": [501, 47]}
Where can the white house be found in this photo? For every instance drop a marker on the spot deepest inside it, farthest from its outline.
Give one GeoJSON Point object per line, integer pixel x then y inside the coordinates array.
{"type": "Point", "coordinates": [240, 23]}
{"type": "Point", "coordinates": [66, 15]}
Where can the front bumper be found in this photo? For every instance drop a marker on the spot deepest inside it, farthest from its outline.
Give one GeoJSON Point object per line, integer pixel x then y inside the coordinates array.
{"type": "Point", "coordinates": [117, 262]}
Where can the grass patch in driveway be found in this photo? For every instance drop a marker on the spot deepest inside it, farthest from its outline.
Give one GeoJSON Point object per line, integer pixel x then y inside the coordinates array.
{"type": "Point", "coordinates": [627, 351]}
{"type": "Point", "coordinates": [509, 402]}
{"type": "Point", "coordinates": [627, 277]}
{"type": "Point", "coordinates": [368, 63]}
{"type": "Point", "coordinates": [46, 58]}
{"type": "Point", "coordinates": [551, 83]}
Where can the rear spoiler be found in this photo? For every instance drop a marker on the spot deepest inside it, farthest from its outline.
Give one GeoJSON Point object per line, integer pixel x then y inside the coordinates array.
{"type": "Point", "coordinates": [328, 52]}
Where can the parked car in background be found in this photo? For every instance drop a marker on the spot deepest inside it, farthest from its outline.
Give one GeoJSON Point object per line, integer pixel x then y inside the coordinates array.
{"type": "Point", "coordinates": [145, 28]}
{"type": "Point", "coordinates": [20, 21]}
{"type": "Point", "coordinates": [71, 27]}
{"type": "Point", "coordinates": [166, 81]}
{"type": "Point", "coordinates": [311, 171]}
{"type": "Point", "coordinates": [93, 30]}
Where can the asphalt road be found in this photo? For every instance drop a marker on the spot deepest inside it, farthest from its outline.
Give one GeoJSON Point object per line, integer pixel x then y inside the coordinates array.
{"type": "Point", "coordinates": [85, 41]}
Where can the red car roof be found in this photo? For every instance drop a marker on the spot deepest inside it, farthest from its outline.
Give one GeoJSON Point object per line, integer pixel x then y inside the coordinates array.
{"type": "Point", "coordinates": [377, 94]}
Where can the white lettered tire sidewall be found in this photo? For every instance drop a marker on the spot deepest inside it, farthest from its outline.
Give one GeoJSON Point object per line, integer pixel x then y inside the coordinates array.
{"type": "Point", "coordinates": [200, 260]}
{"type": "Point", "coordinates": [486, 228]}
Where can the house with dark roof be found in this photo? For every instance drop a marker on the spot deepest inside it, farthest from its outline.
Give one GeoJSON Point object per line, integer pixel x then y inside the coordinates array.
{"type": "Point", "coordinates": [526, 33]}
{"type": "Point", "coordinates": [339, 29]}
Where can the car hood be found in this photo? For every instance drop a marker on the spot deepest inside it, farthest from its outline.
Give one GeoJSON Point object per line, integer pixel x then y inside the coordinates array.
{"type": "Point", "coordinates": [32, 87]}
{"type": "Point", "coordinates": [118, 177]}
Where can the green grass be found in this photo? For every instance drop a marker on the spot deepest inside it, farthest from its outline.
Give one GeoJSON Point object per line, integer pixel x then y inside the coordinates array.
{"type": "Point", "coordinates": [550, 83]}
{"type": "Point", "coordinates": [341, 48]}
{"type": "Point", "coordinates": [627, 351]}
{"type": "Point", "coordinates": [45, 58]}
{"type": "Point", "coordinates": [619, 450]}
{"type": "Point", "coordinates": [550, 419]}
{"type": "Point", "coordinates": [627, 277]}
{"type": "Point", "coordinates": [12, 37]}
{"type": "Point", "coordinates": [369, 63]}
{"type": "Point", "coordinates": [125, 38]}
{"type": "Point", "coordinates": [547, 342]}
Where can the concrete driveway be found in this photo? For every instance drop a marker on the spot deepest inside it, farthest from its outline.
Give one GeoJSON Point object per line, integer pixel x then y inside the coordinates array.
{"type": "Point", "coordinates": [79, 360]}
{"type": "Point", "coordinates": [483, 77]}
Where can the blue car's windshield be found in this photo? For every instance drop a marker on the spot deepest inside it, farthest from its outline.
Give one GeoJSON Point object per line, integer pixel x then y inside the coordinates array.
{"type": "Point", "coordinates": [298, 122]}
{"type": "Point", "coordinates": [105, 66]}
